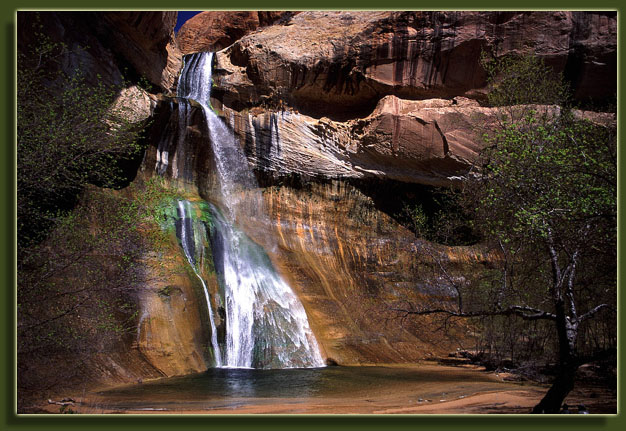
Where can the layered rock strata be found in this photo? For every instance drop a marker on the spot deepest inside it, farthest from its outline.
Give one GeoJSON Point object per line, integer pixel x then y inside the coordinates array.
{"type": "Point", "coordinates": [350, 263]}
{"type": "Point", "coordinates": [172, 330]}
{"type": "Point", "coordinates": [339, 64]}
{"type": "Point", "coordinates": [341, 251]}
{"type": "Point", "coordinates": [146, 41]}
{"type": "Point", "coordinates": [121, 48]}
{"type": "Point", "coordinates": [432, 142]}
{"type": "Point", "coordinates": [328, 106]}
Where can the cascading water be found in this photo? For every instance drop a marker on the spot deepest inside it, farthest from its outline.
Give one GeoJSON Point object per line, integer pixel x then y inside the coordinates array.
{"type": "Point", "coordinates": [189, 234]}
{"type": "Point", "coordinates": [266, 325]}
{"type": "Point", "coordinates": [234, 173]}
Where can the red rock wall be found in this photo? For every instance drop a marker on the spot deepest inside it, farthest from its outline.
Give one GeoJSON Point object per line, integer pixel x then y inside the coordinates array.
{"type": "Point", "coordinates": [339, 64]}
{"type": "Point", "coordinates": [215, 30]}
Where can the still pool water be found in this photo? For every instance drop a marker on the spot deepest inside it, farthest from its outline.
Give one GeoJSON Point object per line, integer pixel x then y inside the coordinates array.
{"type": "Point", "coordinates": [223, 388]}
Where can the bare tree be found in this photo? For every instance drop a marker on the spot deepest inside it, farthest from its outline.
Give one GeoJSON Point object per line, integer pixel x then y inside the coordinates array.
{"type": "Point", "coordinates": [543, 197]}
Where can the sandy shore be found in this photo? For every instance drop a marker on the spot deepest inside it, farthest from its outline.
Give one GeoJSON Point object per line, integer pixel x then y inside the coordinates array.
{"type": "Point", "coordinates": [472, 391]}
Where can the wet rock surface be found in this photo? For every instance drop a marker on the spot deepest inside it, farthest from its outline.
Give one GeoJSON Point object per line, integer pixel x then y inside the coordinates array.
{"type": "Point", "coordinates": [317, 101]}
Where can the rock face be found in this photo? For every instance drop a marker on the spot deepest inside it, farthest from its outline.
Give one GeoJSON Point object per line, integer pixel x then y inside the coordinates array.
{"type": "Point", "coordinates": [171, 332]}
{"type": "Point", "coordinates": [349, 262]}
{"type": "Point", "coordinates": [116, 43]}
{"type": "Point", "coordinates": [350, 94]}
{"type": "Point", "coordinates": [215, 30]}
{"type": "Point", "coordinates": [330, 107]}
{"type": "Point", "coordinates": [339, 64]}
{"type": "Point", "coordinates": [171, 338]}
{"type": "Point", "coordinates": [432, 142]}
{"type": "Point", "coordinates": [429, 142]}
{"type": "Point", "coordinates": [146, 41]}
{"type": "Point", "coordinates": [338, 244]}
{"type": "Point", "coordinates": [118, 48]}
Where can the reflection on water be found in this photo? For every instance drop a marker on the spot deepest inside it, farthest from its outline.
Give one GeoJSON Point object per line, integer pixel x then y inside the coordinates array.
{"type": "Point", "coordinates": [230, 388]}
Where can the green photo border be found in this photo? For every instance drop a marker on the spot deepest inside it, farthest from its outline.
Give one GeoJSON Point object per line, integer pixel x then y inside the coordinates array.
{"type": "Point", "coordinates": [10, 421]}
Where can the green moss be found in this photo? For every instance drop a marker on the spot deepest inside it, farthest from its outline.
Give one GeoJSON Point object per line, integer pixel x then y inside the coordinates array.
{"type": "Point", "coordinates": [205, 213]}
{"type": "Point", "coordinates": [166, 291]}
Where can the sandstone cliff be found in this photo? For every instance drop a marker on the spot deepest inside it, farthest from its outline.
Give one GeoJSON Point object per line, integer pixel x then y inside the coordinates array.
{"type": "Point", "coordinates": [432, 142]}
{"type": "Point", "coordinates": [339, 64]}
{"type": "Point", "coordinates": [343, 117]}
{"type": "Point", "coordinates": [429, 142]}
{"type": "Point", "coordinates": [215, 30]}
{"type": "Point", "coordinates": [116, 44]}
{"type": "Point", "coordinates": [121, 48]}
{"type": "Point", "coordinates": [392, 94]}
{"type": "Point", "coordinates": [339, 243]}
{"type": "Point", "coordinates": [325, 102]}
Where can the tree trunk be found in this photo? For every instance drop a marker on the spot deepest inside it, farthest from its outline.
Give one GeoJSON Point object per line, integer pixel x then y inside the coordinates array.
{"type": "Point", "coordinates": [568, 364]}
{"type": "Point", "coordinates": [563, 384]}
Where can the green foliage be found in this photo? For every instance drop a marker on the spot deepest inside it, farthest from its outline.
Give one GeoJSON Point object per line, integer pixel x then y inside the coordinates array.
{"type": "Point", "coordinates": [543, 198]}
{"type": "Point", "coordinates": [167, 291]}
{"type": "Point", "coordinates": [418, 219]}
{"type": "Point", "coordinates": [76, 289]}
{"type": "Point", "coordinates": [521, 80]}
{"type": "Point", "coordinates": [205, 213]}
{"type": "Point", "coordinates": [146, 85]}
{"type": "Point", "coordinates": [81, 248]}
{"type": "Point", "coordinates": [546, 199]}
{"type": "Point", "coordinates": [66, 409]}
{"type": "Point", "coordinates": [441, 218]}
{"type": "Point", "coordinates": [540, 176]}
{"type": "Point", "coordinates": [545, 172]}
{"type": "Point", "coordinates": [69, 134]}
{"type": "Point", "coordinates": [93, 251]}
{"type": "Point", "coordinates": [155, 202]}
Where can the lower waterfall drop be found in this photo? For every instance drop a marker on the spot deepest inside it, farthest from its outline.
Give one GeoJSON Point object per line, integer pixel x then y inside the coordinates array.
{"type": "Point", "coordinates": [267, 326]}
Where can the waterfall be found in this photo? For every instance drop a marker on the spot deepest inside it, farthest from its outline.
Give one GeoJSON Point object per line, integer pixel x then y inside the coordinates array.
{"type": "Point", "coordinates": [188, 235]}
{"type": "Point", "coordinates": [162, 155]}
{"type": "Point", "coordinates": [266, 325]}
{"type": "Point", "coordinates": [234, 173]}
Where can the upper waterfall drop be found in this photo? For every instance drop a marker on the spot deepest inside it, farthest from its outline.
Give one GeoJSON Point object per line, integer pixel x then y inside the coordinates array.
{"type": "Point", "coordinates": [266, 325]}
{"type": "Point", "coordinates": [234, 172]}
{"type": "Point", "coordinates": [195, 78]}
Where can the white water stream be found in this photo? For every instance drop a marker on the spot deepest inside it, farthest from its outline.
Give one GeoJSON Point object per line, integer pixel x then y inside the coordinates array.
{"type": "Point", "coordinates": [188, 235]}
{"type": "Point", "coordinates": [266, 325]}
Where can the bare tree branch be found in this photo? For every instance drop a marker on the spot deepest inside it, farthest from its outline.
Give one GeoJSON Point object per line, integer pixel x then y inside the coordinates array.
{"type": "Point", "coordinates": [526, 313]}
{"type": "Point", "coordinates": [592, 312]}
{"type": "Point", "coordinates": [557, 277]}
